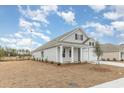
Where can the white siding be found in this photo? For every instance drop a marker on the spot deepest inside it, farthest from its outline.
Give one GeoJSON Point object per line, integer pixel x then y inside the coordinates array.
{"type": "Point", "coordinates": [50, 54]}
{"type": "Point", "coordinates": [37, 55]}
{"type": "Point", "coordinates": [71, 38]}
{"type": "Point", "coordinates": [66, 58]}
{"type": "Point", "coordinates": [89, 55]}
{"type": "Point", "coordinates": [90, 40]}
{"type": "Point", "coordinates": [75, 54]}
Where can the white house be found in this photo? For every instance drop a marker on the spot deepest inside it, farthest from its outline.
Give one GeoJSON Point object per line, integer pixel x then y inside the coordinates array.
{"type": "Point", "coordinates": [72, 47]}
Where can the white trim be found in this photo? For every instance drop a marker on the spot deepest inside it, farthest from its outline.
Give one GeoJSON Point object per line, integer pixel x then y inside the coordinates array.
{"type": "Point", "coordinates": [56, 54]}
{"type": "Point", "coordinates": [61, 52]}
{"type": "Point", "coordinates": [88, 54]}
{"type": "Point", "coordinates": [81, 54]}
{"type": "Point", "coordinates": [72, 54]}
{"type": "Point", "coordinates": [77, 29]}
{"type": "Point", "coordinates": [119, 55]}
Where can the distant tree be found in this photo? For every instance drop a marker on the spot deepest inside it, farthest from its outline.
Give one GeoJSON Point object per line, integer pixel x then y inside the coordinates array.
{"type": "Point", "coordinates": [98, 51]}
{"type": "Point", "coordinates": [1, 52]}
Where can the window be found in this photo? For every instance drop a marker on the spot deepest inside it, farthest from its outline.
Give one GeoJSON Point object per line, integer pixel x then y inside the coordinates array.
{"type": "Point", "coordinates": [63, 52]}
{"type": "Point", "coordinates": [42, 54]}
{"type": "Point", "coordinates": [81, 37]}
{"type": "Point", "coordinates": [76, 36]}
{"type": "Point", "coordinates": [89, 43]}
{"type": "Point", "coordinates": [70, 53]}
{"type": "Point", "coordinates": [92, 43]}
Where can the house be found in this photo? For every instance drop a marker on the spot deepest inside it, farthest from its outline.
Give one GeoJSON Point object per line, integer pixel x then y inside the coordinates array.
{"type": "Point", "coordinates": [72, 47]}
{"type": "Point", "coordinates": [112, 52]}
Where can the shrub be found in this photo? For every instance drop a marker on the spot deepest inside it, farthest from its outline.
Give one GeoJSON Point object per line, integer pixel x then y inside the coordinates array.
{"type": "Point", "coordinates": [58, 64]}
{"type": "Point", "coordinates": [108, 59]}
{"type": "Point", "coordinates": [114, 59]}
{"type": "Point", "coordinates": [103, 59]}
{"type": "Point", "coordinates": [37, 59]}
{"type": "Point", "coordinates": [52, 62]}
{"type": "Point", "coordinates": [46, 60]}
{"type": "Point", "coordinates": [122, 60]}
{"type": "Point", "coordinates": [42, 60]}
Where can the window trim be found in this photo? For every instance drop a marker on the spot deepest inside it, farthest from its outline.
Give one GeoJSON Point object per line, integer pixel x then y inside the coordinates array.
{"type": "Point", "coordinates": [76, 36]}
{"type": "Point", "coordinates": [70, 53]}
{"type": "Point", "coordinates": [81, 37]}
{"type": "Point", "coordinates": [42, 54]}
{"type": "Point", "coordinates": [63, 53]}
{"type": "Point", "coordinates": [90, 43]}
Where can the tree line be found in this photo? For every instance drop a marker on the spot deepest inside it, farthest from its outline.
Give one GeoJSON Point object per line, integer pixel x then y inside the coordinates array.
{"type": "Point", "coordinates": [12, 52]}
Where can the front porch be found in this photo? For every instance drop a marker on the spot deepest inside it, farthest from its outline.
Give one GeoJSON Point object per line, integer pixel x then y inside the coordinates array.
{"type": "Point", "coordinates": [70, 54]}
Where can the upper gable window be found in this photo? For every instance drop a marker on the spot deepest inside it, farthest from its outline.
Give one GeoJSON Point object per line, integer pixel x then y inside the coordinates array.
{"type": "Point", "coordinates": [76, 36]}
{"type": "Point", "coordinates": [81, 37]}
{"type": "Point", "coordinates": [89, 43]}
{"type": "Point", "coordinates": [92, 43]}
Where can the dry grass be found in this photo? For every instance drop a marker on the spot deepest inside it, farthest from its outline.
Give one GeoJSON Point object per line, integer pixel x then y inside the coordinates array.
{"type": "Point", "coordinates": [37, 74]}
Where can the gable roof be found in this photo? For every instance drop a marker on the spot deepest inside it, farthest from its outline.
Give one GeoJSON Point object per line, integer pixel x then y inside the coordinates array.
{"type": "Point", "coordinates": [57, 40]}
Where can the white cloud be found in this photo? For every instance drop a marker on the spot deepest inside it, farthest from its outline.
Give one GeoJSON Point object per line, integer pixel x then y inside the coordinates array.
{"type": "Point", "coordinates": [40, 14]}
{"type": "Point", "coordinates": [100, 28]}
{"type": "Point", "coordinates": [36, 24]}
{"type": "Point", "coordinates": [23, 43]}
{"type": "Point", "coordinates": [24, 24]}
{"type": "Point", "coordinates": [18, 35]}
{"type": "Point", "coordinates": [97, 8]}
{"type": "Point", "coordinates": [118, 25]}
{"type": "Point", "coordinates": [49, 8]}
{"type": "Point", "coordinates": [48, 32]}
{"type": "Point", "coordinates": [116, 12]}
{"type": "Point", "coordinates": [112, 15]}
{"type": "Point", "coordinates": [69, 17]}
{"type": "Point", "coordinates": [41, 35]}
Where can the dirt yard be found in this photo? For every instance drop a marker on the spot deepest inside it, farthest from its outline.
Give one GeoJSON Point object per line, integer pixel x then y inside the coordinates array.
{"type": "Point", "coordinates": [28, 74]}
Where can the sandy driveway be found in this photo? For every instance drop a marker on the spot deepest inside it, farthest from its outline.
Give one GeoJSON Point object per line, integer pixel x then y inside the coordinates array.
{"type": "Point", "coordinates": [38, 74]}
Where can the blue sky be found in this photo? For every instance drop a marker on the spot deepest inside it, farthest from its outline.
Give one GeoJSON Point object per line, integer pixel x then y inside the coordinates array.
{"type": "Point", "coordinates": [104, 23]}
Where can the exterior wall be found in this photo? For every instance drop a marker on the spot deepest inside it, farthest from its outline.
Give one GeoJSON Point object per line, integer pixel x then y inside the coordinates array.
{"type": "Point", "coordinates": [76, 54]}
{"type": "Point", "coordinates": [71, 38]}
{"type": "Point", "coordinates": [110, 55]}
{"type": "Point", "coordinates": [122, 55]}
{"type": "Point", "coordinates": [67, 58]}
{"type": "Point", "coordinates": [88, 54]}
{"type": "Point", "coordinates": [50, 54]}
{"type": "Point", "coordinates": [91, 40]}
{"type": "Point", "coordinates": [37, 55]}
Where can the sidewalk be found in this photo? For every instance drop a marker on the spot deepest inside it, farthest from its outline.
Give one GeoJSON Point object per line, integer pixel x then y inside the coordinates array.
{"type": "Point", "coordinates": [119, 83]}
{"type": "Point", "coordinates": [111, 63]}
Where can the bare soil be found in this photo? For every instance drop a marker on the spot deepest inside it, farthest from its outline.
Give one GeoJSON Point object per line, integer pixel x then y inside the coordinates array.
{"type": "Point", "coordinates": [28, 74]}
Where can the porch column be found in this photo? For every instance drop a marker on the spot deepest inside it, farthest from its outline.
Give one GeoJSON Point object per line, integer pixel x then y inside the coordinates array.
{"type": "Point", "coordinates": [56, 54]}
{"type": "Point", "coordinates": [81, 54]}
{"type": "Point", "coordinates": [72, 54]}
{"type": "Point", "coordinates": [119, 56]}
{"type": "Point", "coordinates": [88, 54]}
{"type": "Point", "coordinates": [61, 52]}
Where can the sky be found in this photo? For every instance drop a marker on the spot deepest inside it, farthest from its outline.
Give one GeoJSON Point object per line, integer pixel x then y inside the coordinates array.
{"type": "Point", "coordinates": [31, 26]}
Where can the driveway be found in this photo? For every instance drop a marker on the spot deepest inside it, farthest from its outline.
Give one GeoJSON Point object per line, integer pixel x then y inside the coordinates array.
{"type": "Point", "coordinates": [112, 63]}
{"type": "Point", "coordinates": [119, 83]}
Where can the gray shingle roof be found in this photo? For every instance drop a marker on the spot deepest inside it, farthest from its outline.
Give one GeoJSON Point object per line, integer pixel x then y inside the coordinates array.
{"type": "Point", "coordinates": [56, 40]}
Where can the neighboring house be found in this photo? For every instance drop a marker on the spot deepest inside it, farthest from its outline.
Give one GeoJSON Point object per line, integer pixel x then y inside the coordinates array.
{"type": "Point", "coordinates": [111, 52]}
{"type": "Point", "coordinates": [72, 47]}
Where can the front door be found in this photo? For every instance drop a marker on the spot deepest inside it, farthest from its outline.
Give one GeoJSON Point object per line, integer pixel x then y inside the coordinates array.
{"type": "Point", "coordinates": [78, 54]}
